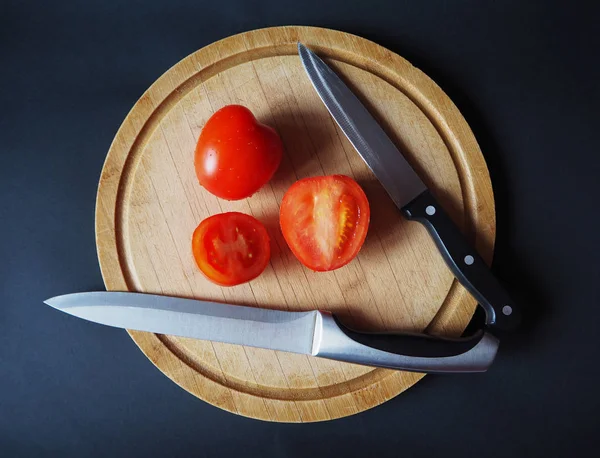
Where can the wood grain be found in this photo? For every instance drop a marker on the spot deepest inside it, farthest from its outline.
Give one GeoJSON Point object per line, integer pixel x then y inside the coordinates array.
{"type": "Point", "coordinates": [149, 203]}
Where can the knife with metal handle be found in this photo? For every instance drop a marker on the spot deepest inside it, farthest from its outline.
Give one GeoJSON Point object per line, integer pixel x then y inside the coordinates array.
{"type": "Point", "coordinates": [313, 333]}
{"type": "Point", "coordinates": [408, 191]}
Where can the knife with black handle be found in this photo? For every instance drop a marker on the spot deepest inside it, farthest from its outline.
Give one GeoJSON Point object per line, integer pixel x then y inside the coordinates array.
{"type": "Point", "coordinates": [464, 262]}
{"type": "Point", "coordinates": [313, 333]}
{"type": "Point", "coordinates": [408, 191]}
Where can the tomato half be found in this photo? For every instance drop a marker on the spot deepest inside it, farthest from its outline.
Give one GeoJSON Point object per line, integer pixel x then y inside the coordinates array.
{"type": "Point", "coordinates": [235, 154]}
{"type": "Point", "coordinates": [231, 248]}
{"type": "Point", "coordinates": [324, 220]}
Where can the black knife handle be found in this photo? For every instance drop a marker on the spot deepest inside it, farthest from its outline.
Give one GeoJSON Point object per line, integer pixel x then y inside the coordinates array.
{"type": "Point", "coordinates": [409, 352]}
{"type": "Point", "coordinates": [411, 344]}
{"type": "Point", "coordinates": [464, 262]}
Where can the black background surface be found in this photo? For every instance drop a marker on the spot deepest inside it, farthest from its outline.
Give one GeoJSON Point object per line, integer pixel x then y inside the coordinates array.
{"type": "Point", "coordinates": [525, 76]}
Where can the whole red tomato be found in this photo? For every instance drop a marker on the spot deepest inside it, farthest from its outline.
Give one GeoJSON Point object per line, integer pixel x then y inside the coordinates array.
{"type": "Point", "coordinates": [236, 155]}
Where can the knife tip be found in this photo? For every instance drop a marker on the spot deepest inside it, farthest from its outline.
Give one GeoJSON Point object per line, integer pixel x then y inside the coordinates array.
{"type": "Point", "coordinates": [51, 302]}
{"type": "Point", "coordinates": [60, 302]}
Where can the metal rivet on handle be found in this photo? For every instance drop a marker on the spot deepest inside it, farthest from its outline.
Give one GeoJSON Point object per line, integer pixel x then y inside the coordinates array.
{"type": "Point", "coordinates": [430, 210]}
{"type": "Point", "coordinates": [507, 310]}
{"type": "Point", "coordinates": [469, 259]}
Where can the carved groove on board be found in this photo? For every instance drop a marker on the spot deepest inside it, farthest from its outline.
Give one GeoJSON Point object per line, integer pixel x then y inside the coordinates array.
{"type": "Point", "coordinates": [292, 394]}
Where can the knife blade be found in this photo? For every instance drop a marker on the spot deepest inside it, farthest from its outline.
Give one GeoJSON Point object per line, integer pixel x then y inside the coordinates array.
{"type": "Point", "coordinates": [408, 191]}
{"type": "Point", "coordinates": [315, 333]}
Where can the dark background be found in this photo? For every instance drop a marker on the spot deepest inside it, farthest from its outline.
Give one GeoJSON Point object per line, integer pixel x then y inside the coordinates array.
{"type": "Point", "coordinates": [525, 76]}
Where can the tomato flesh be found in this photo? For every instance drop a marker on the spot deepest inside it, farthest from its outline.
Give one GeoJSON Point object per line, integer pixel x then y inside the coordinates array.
{"type": "Point", "coordinates": [324, 221]}
{"type": "Point", "coordinates": [231, 248]}
{"type": "Point", "coordinates": [235, 154]}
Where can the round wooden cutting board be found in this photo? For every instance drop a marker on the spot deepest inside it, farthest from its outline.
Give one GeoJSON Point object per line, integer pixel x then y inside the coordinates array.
{"type": "Point", "coordinates": [149, 203]}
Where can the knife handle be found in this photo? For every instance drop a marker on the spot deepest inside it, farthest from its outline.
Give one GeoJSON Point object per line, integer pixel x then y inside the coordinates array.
{"type": "Point", "coordinates": [464, 262]}
{"type": "Point", "coordinates": [409, 352]}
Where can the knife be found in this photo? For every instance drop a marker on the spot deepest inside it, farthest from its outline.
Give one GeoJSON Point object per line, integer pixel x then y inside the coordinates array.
{"type": "Point", "coordinates": [409, 193]}
{"type": "Point", "coordinates": [313, 333]}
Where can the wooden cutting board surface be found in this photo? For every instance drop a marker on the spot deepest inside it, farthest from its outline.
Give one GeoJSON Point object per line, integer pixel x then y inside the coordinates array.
{"type": "Point", "coordinates": [149, 202]}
